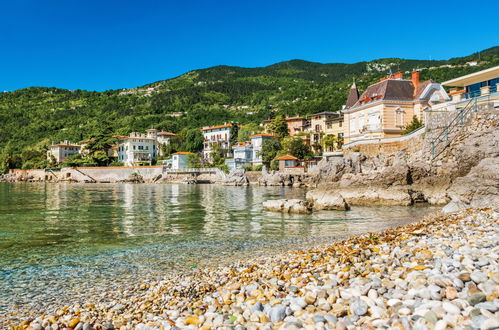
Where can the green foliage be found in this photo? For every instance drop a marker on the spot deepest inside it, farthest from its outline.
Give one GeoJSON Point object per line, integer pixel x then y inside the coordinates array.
{"type": "Point", "coordinates": [193, 161]}
{"type": "Point", "coordinates": [295, 146]}
{"type": "Point", "coordinates": [270, 148]}
{"type": "Point", "coordinates": [217, 155]}
{"type": "Point", "coordinates": [205, 97]}
{"type": "Point", "coordinates": [329, 141]}
{"type": "Point", "coordinates": [246, 131]}
{"type": "Point", "coordinates": [278, 126]}
{"type": "Point", "coordinates": [414, 125]}
{"type": "Point", "coordinates": [192, 140]}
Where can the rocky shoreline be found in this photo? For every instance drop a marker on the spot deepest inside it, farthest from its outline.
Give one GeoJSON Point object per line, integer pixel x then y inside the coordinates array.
{"type": "Point", "coordinates": [439, 272]}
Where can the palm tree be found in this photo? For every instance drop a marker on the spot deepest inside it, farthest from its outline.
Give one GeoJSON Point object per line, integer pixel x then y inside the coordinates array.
{"type": "Point", "coordinates": [329, 141]}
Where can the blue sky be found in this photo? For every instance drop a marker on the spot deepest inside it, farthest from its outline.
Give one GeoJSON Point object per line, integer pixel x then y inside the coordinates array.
{"type": "Point", "coordinates": [108, 44]}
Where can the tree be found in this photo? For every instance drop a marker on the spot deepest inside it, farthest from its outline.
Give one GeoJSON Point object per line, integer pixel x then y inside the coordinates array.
{"type": "Point", "coordinates": [278, 126]}
{"type": "Point", "coordinates": [192, 140]}
{"type": "Point", "coordinates": [246, 131]}
{"type": "Point", "coordinates": [270, 148]}
{"type": "Point", "coordinates": [217, 154]}
{"type": "Point", "coordinates": [296, 147]}
{"type": "Point", "coordinates": [193, 160]}
{"type": "Point", "coordinates": [329, 142]}
{"type": "Point", "coordinates": [414, 125]}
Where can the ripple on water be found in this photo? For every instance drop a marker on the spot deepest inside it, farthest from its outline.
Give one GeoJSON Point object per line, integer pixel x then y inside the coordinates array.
{"type": "Point", "coordinates": [63, 242]}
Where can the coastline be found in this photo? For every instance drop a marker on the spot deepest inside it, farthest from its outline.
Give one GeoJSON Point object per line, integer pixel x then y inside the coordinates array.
{"type": "Point", "coordinates": [402, 276]}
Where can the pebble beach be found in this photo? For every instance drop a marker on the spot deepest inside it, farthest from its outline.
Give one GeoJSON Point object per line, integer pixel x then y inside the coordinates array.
{"type": "Point", "coordinates": [441, 272]}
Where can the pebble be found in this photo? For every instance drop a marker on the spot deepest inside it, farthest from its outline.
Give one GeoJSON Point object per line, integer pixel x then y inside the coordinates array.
{"type": "Point", "coordinates": [445, 276]}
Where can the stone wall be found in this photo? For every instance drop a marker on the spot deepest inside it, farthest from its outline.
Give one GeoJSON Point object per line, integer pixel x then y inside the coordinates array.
{"type": "Point", "coordinates": [373, 149]}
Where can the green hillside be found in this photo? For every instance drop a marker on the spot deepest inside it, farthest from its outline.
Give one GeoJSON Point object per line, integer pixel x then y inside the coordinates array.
{"type": "Point", "coordinates": [31, 118]}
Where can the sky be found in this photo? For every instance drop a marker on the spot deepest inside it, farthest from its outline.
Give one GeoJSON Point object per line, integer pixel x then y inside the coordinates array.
{"type": "Point", "coordinates": [107, 44]}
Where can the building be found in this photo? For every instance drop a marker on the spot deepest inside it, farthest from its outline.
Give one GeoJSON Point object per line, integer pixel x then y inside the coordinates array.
{"type": "Point", "coordinates": [220, 135]}
{"type": "Point", "coordinates": [257, 143]}
{"type": "Point", "coordinates": [163, 139]}
{"type": "Point", "coordinates": [243, 155]}
{"type": "Point", "coordinates": [61, 151]}
{"type": "Point", "coordinates": [287, 161]}
{"type": "Point", "coordinates": [296, 125]}
{"type": "Point", "coordinates": [180, 160]}
{"type": "Point", "coordinates": [323, 124]}
{"type": "Point", "coordinates": [138, 149]}
{"type": "Point", "coordinates": [481, 84]}
{"type": "Point", "coordinates": [388, 106]}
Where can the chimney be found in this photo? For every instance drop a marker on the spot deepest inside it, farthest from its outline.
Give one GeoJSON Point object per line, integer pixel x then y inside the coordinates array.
{"type": "Point", "coordinates": [398, 75]}
{"type": "Point", "coordinates": [415, 79]}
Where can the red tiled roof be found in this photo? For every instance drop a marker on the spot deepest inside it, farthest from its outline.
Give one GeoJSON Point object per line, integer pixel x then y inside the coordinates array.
{"type": "Point", "coordinates": [167, 133]}
{"type": "Point", "coordinates": [287, 157]}
{"type": "Point", "coordinates": [392, 89]}
{"type": "Point", "coordinates": [262, 134]}
{"type": "Point", "coordinates": [215, 127]}
{"type": "Point", "coordinates": [183, 153]}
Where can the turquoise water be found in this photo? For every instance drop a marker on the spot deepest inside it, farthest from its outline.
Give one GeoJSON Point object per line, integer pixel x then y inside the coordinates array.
{"type": "Point", "coordinates": [62, 242]}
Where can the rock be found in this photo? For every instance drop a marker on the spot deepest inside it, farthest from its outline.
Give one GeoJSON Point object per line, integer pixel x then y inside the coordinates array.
{"type": "Point", "coordinates": [74, 322]}
{"type": "Point", "coordinates": [465, 192]}
{"type": "Point", "coordinates": [490, 306]}
{"type": "Point", "coordinates": [450, 308]}
{"type": "Point", "coordinates": [277, 313]}
{"type": "Point", "coordinates": [327, 200]}
{"type": "Point", "coordinates": [431, 317]}
{"type": "Point", "coordinates": [490, 324]}
{"type": "Point", "coordinates": [358, 307]}
{"type": "Point", "coordinates": [296, 206]}
{"type": "Point", "coordinates": [451, 293]}
{"type": "Point", "coordinates": [475, 298]}
{"type": "Point", "coordinates": [310, 297]}
{"type": "Point", "coordinates": [478, 277]}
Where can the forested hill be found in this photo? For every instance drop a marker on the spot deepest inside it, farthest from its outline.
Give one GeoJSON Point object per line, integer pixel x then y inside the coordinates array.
{"type": "Point", "coordinates": [35, 116]}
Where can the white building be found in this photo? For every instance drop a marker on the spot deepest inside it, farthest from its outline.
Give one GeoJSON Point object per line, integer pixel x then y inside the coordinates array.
{"type": "Point", "coordinates": [257, 142]}
{"type": "Point", "coordinates": [61, 151]}
{"type": "Point", "coordinates": [164, 138]}
{"type": "Point", "coordinates": [138, 148]}
{"type": "Point", "coordinates": [243, 155]}
{"type": "Point", "coordinates": [180, 160]}
{"type": "Point", "coordinates": [217, 135]}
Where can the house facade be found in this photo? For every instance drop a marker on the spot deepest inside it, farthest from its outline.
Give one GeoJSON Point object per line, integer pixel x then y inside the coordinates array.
{"type": "Point", "coordinates": [243, 155]}
{"type": "Point", "coordinates": [217, 135]}
{"type": "Point", "coordinates": [138, 148]}
{"type": "Point", "coordinates": [180, 160]}
{"type": "Point", "coordinates": [61, 151]}
{"type": "Point", "coordinates": [257, 143]}
{"type": "Point", "coordinates": [163, 139]}
{"type": "Point", "coordinates": [287, 161]}
{"type": "Point", "coordinates": [297, 125]}
{"type": "Point", "coordinates": [481, 84]}
{"type": "Point", "coordinates": [388, 106]}
{"type": "Point", "coordinates": [323, 124]}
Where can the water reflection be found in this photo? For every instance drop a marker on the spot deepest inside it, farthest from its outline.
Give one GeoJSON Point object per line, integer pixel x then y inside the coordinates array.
{"type": "Point", "coordinates": [65, 235]}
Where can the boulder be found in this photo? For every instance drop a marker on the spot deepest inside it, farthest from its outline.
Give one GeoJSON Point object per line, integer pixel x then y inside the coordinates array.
{"type": "Point", "coordinates": [296, 206]}
{"type": "Point", "coordinates": [327, 200]}
{"type": "Point", "coordinates": [479, 188]}
{"type": "Point", "coordinates": [236, 177]}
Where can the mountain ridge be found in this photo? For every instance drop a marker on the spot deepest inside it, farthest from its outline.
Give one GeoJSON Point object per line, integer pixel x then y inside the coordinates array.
{"type": "Point", "coordinates": [33, 117]}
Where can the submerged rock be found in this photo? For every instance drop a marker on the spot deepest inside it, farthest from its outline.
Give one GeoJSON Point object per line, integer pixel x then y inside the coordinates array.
{"type": "Point", "coordinates": [327, 200]}
{"type": "Point", "coordinates": [296, 206]}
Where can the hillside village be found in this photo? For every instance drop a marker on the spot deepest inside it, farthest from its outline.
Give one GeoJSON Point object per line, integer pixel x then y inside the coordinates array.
{"type": "Point", "coordinates": [397, 105]}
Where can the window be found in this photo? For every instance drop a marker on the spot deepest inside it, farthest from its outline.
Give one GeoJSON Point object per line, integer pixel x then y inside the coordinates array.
{"type": "Point", "coordinates": [340, 124]}
{"type": "Point", "coordinates": [141, 147]}
{"type": "Point", "coordinates": [134, 147]}
{"type": "Point", "coordinates": [399, 117]}
{"type": "Point", "coordinates": [147, 147]}
{"type": "Point", "coordinates": [362, 122]}
{"type": "Point", "coordinates": [353, 129]}
{"type": "Point", "coordinates": [374, 121]}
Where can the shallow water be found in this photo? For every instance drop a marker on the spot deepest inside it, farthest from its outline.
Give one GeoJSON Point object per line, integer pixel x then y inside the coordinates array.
{"type": "Point", "coordinates": [60, 242]}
